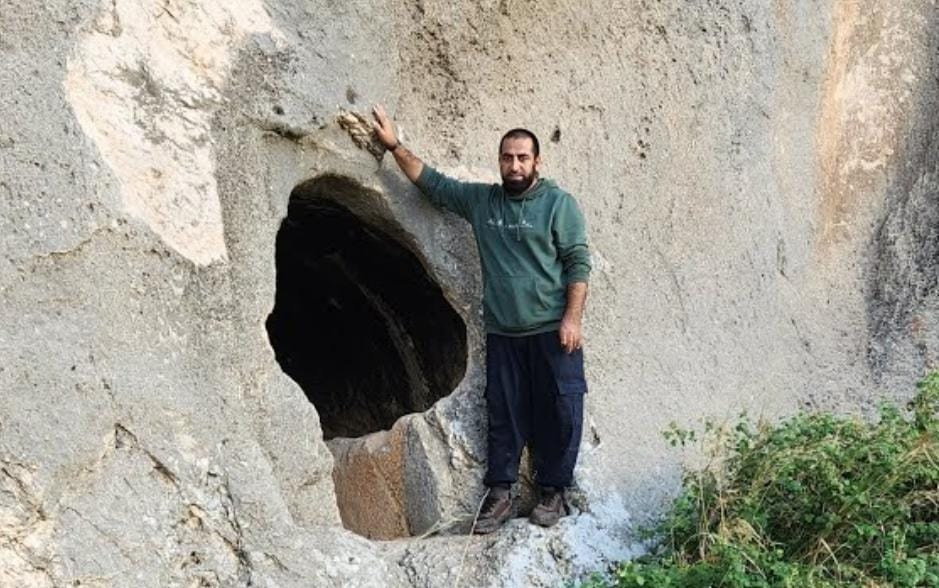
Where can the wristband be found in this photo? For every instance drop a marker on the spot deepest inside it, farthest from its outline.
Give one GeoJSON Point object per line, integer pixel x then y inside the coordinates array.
{"type": "Point", "coordinates": [394, 147]}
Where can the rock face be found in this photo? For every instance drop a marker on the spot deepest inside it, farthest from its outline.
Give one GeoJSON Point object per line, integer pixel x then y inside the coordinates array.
{"type": "Point", "coordinates": [761, 189]}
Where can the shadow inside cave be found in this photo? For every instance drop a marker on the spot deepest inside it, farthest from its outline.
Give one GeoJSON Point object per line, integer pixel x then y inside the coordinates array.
{"type": "Point", "coordinates": [358, 322]}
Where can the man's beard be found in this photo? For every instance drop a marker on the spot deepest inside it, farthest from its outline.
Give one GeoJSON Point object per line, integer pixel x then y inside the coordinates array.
{"type": "Point", "coordinates": [516, 187]}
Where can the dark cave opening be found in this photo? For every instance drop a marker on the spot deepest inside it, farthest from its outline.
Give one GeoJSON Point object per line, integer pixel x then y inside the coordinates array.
{"type": "Point", "coordinates": [358, 322]}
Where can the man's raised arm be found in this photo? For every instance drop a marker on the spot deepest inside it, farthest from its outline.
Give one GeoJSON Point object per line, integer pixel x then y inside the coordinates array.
{"type": "Point", "coordinates": [453, 195]}
{"type": "Point", "coordinates": [409, 163]}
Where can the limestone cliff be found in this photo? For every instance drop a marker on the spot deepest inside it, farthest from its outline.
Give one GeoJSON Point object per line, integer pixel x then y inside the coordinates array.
{"type": "Point", "coordinates": [761, 189]}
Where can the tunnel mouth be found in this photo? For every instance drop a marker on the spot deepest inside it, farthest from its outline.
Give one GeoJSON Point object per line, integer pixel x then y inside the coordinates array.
{"type": "Point", "coordinates": [358, 320]}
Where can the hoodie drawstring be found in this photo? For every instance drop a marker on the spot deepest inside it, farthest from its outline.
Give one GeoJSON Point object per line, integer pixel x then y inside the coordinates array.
{"type": "Point", "coordinates": [518, 222]}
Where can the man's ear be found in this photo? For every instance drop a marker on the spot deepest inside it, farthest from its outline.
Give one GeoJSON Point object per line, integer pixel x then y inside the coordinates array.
{"type": "Point", "coordinates": [537, 161]}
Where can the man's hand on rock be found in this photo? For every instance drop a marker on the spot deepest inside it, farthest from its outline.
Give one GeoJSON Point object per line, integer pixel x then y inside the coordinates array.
{"type": "Point", "coordinates": [384, 129]}
{"type": "Point", "coordinates": [409, 163]}
{"type": "Point", "coordinates": [570, 333]}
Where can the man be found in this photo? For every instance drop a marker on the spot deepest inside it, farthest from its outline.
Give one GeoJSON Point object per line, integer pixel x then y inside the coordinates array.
{"type": "Point", "coordinates": [533, 251]}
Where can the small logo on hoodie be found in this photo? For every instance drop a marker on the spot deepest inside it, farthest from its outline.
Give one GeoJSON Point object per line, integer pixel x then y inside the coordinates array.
{"type": "Point", "coordinates": [498, 224]}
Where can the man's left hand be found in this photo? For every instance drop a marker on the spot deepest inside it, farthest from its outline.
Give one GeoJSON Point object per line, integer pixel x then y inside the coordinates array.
{"type": "Point", "coordinates": [570, 334]}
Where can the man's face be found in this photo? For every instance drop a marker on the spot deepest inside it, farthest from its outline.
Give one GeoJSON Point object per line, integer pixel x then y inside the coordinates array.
{"type": "Point", "coordinates": [518, 164]}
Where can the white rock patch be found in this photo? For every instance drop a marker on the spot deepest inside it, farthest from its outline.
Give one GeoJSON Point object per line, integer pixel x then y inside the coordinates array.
{"type": "Point", "coordinates": [144, 84]}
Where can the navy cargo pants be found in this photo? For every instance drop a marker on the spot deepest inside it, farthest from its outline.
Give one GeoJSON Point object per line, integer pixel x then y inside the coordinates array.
{"type": "Point", "coordinates": [535, 394]}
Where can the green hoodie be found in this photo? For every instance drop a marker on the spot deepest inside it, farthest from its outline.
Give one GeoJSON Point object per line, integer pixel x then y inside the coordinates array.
{"type": "Point", "coordinates": [530, 248]}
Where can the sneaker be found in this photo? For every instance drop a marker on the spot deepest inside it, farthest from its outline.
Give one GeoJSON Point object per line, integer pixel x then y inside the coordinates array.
{"type": "Point", "coordinates": [550, 508]}
{"type": "Point", "coordinates": [497, 508]}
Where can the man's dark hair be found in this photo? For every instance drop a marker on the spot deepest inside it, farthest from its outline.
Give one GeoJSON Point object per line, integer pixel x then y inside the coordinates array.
{"type": "Point", "coordinates": [521, 134]}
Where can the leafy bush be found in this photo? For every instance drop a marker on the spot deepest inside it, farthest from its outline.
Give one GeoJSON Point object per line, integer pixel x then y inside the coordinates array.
{"type": "Point", "coordinates": [815, 501]}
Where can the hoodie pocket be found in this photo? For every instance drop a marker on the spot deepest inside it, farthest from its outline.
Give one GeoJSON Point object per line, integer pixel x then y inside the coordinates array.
{"type": "Point", "coordinates": [513, 302]}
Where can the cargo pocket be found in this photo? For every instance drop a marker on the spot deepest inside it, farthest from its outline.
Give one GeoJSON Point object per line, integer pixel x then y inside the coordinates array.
{"type": "Point", "coordinates": [569, 372]}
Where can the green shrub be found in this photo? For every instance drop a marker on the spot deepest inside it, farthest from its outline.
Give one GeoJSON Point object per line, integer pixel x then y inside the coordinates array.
{"type": "Point", "coordinates": [815, 501]}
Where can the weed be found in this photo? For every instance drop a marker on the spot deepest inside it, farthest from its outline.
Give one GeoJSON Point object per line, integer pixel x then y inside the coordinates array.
{"type": "Point", "coordinates": [817, 500]}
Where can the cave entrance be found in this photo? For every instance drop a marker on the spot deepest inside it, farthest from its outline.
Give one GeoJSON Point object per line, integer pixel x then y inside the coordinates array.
{"type": "Point", "coordinates": [358, 322]}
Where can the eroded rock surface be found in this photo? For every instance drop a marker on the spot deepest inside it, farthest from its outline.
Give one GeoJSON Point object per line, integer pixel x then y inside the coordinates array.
{"type": "Point", "coordinates": [760, 186]}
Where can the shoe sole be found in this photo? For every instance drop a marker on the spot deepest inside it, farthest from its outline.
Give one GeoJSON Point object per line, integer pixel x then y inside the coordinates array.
{"type": "Point", "coordinates": [544, 523]}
